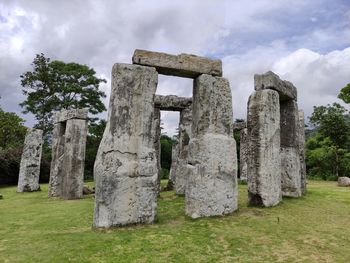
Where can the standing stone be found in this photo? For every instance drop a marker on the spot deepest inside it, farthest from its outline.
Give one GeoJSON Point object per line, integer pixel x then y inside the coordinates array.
{"type": "Point", "coordinates": [173, 167]}
{"type": "Point", "coordinates": [243, 158]}
{"type": "Point", "coordinates": [157, 145]}
{"type": "Point", "coordinates": [211, 187]}
{"type": "Point", "coordinates": [264, 166]}
{"type": "Point", "coordinates": [126, 170]}
{"type": "Point", "coordinates": [302, 151]}
{"type": "Point", "coordinates": [185, 133]}
{"type": "Point", "coordinates": [290, 158]}
{"type": "Point", "coordinates": [68, 154]}
{"type": "Point", "coordinates": [29, 172]}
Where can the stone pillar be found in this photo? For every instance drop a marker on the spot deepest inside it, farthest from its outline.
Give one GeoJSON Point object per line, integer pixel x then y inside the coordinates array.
{"type": "Point", "coordinates": [126, 169]}
{"type": "Point", "coordinates": [211, 187]}
{"type": "Point", "coordinates": [172, 173]}
{"type": "Point", "coordinates": [264, 165]}
{"type": "Point", "coordinates": [290, 159]}
{"type": "Point", "coordinates": [157, 146]}
{"type": "Point", "coordinates": [243, 158]}
{"type": "Point", "coordinates": [68, 154]}
{"type": "Point", "coordinates": [29, 172]}
{"type": "Point", "coordinates": [302, 151]}
{"type": "Point", "coordinates": [184, 139]}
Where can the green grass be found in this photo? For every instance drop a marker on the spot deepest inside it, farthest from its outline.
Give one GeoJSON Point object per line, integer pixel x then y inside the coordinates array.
{"type": "Point", "coordinates": [314, 228]}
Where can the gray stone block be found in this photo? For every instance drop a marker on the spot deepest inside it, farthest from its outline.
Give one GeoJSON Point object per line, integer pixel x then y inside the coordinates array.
{"type": "Point", "coordinates": [172, 102]}
{"type": "Point", "coordinates": [183, 65]}
{"type": "Point", "coordinates": [29, 172]}
{"type": "Point", "coordinates": [126, 170]}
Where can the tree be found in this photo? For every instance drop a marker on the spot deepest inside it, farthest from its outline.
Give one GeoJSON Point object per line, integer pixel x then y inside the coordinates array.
{"type": "Point", "coordinates": [327, 149]}
{"type": "Point", "coordinates": [345, 94]}
{"type": "Point", "coordinates": [12, 130]}
{"type": "Point", "coordinates": [55, 85]}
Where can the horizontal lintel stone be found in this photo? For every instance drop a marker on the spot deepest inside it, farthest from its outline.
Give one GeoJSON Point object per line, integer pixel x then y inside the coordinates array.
{"type": "Point", "coordinates": [172, 102]}
{"type": "Point", "coordinates": [65, 115]}
{"type": "Point", "coordinates": [237, 126]}
{"type": "Point", "coordinates": [182, 65]}
{"type": "Point", "coordinates": [270, 80]}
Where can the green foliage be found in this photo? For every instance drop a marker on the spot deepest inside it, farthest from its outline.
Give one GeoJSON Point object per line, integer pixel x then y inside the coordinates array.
{"type": "Point", "coordinates": [345, 94]}
{"type": "Point", "coordinates": [92, 143]}
{"type": "Point", "coordinates": [54, 85]}
{"type": "Point", "coordinates": [164, 173]}
{"type": "Point", "coordinates": [165, 153]}
{"type": "Point", "coordinates": [327, 148]}
{"type": "Point", "coordinates": [308, 229]}
{"type": "Point", "coordinates": [12, 130]}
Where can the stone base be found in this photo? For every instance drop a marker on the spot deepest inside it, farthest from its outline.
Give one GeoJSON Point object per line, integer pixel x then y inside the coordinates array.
{"type": "Point", "coordinates": [211, 188]}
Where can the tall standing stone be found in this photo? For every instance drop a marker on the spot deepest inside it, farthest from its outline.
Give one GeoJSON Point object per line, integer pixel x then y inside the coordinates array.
{"type": "Point", "coordinates": [29, 172]}
{"type": "Point", "coordinates": [211, 187]}
{"type": "Point", "coordinates": [290, 159]}
{"type": "Point", "coordinates": [126, 170]}
{"type": "Point", "coordinates": [302, 151]}
{"type": "Point", "coordinates": [264, 164]}
{"type": "Point", "coordinates": [243, 158]}
{"type": "Point", "coordinates": [68, 154]}
{"type": "Point", "coordinates": [185, 133]}
{"type": "Point", "coordinates": [157, 145]}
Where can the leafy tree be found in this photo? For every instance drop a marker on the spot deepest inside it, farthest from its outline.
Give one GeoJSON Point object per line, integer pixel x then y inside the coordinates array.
{"type": "Point", "coordinates": [345, 94]}
{"type": "Point", "coordinates": [53, 85]}
{"type": "Point", "coordinates": [92, 143]}
{"type": "Point", "coordinates": [12, 130]}
{"type": "Point", "coordinates": [327, 149]}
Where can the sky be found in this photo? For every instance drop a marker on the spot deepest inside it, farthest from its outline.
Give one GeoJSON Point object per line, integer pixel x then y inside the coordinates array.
{"type": "Point", "coordinates": [305, 42]}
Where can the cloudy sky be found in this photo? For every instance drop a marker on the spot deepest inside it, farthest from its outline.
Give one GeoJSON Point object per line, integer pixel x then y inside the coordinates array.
{"type": "Point", "coordinates": [305, 42]}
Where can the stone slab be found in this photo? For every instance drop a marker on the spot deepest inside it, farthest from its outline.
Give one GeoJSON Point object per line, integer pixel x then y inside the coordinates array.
{"type": "Point", "coordinates": [270, 80]}
{"type": "Point", "coordinates": [29, 173]}
{"type": "Point", "coordinates": [126, 170]}
{"type": "Point", "coordinates": [301, 137]}
{"type": "Point", "coordinates": [172, 102]}
{"type": "Point", "coordinates": [65, 115]}
{"type": "Point", "coordinates": [182, 65]}
{"type": "Point", "coordinates": [264, 163]}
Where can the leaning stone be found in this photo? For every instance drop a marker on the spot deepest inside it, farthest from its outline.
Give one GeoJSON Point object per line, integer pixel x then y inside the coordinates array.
{"type": "Point", "coordinates": [183, 65]}
{"type": "Point", "coordinates": [264, 165]}
{"type": "Point", "coordinates": [28, 180]}
{"type": "Point", "coordinates": [270, 80]}
{"type": "Point", "coordinates": [343, 181]}
{"type": "Point", "coordinates": [172, 102]}
{"type": "Point", "coordinates": [301, 136]}
{"type": "Point", "coordinates": [125, 172]}
{"type": "Point", "coordinates": [211, 187]}
{"type": "Point", "coordinates": [290, 157]}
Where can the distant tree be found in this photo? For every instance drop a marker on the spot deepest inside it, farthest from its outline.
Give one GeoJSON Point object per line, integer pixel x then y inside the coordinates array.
{"type": "Point", "coordinates": [56, 85]}
{"type": "Point", "coordinates": [94, 138]}
{"type": "Point", "coordinates": [12, 130]}
{"type": "Point", "coordinates": [345, 94]}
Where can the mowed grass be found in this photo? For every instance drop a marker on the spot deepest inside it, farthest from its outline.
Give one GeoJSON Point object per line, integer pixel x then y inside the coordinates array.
{"type": "Point", "coordinates": [314, 228]}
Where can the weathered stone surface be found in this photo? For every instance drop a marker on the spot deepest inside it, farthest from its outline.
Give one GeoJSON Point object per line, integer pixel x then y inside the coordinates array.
{"type": "Point", "coordinates": [243, 158]}
{"type": "Point", "coordinates": [172, 102]}
{"type": "Point", "coordinates": [290, 158]}
{"type": "Point", "coordinates": [74, 158]}
{"type": "Point", "coordinates": [157, 146]}
{"type": "Point", "coordinates": [264, 164]}
{"type": "Point", "coordinates": [173, 167]}
{"type": "Point", "coordinates": [185, 133]}
{"type": "Point", "coordinates": [68, 155]}
{"type": "Point", "coordinates": [28, 179]}
{"type": "Point", "coordinates": [211, 187]}
{"type": "Point", "coordinates": [301, 137]}
{"type": "Point", "coordinates": [87, 190]}
{"type": "Point", "coordinates": [344, 181]}
{"type": "Point", "coordinates": [270, 80]}
{"type": "Point", "coordinates": [238, 126]}
{"type": "Point", "coordinates": [183, 65]}
{"type": "Point", "coordinates": [125, 171]}
{"type": "Point", "coordinates": [65, 115]}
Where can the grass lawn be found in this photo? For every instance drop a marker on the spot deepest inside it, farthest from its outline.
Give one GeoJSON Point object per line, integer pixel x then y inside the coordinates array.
{"type": "Point", "coordinates": [314, 228]}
